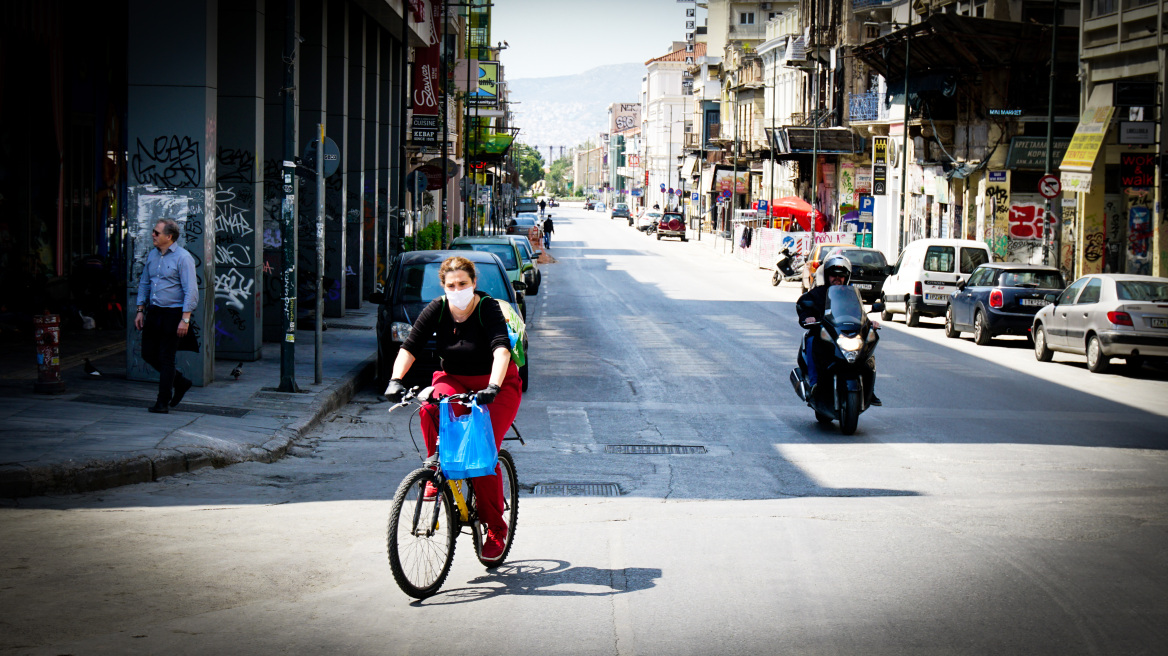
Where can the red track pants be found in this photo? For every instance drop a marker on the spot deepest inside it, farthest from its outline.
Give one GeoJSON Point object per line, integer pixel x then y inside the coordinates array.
{"type": "Point", "coordinates": [488, 489]}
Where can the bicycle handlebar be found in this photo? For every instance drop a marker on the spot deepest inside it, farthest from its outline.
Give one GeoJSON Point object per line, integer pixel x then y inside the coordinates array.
{"type": "Point", "coordinates": [413, 395]}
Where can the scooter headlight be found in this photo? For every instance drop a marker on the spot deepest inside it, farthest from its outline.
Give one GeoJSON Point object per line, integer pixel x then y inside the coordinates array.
{"type": "Point", "coordinates": [850, 346]}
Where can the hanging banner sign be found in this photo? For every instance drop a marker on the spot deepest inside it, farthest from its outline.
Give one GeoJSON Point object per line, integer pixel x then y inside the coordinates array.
{"type": "Point", "coordinates": [879, 179]}
{"type": "Point", "coordinates": [1088, 137]}
{"type": "Point", "coordinates": [487, 93]}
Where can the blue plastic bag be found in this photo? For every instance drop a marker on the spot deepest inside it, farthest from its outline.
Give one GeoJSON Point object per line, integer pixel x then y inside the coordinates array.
{"type": "Point", "coordinates": [467, 443]}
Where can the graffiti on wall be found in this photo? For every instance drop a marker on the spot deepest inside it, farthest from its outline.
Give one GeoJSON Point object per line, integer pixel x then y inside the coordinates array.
{"type": "Point", "coordinates": [1139, 234]}
{"type": "Point", "coordinates": [168, 162]}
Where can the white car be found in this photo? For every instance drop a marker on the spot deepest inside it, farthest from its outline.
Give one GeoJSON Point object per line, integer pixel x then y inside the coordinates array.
{"type": "Point", "coordinates": [647, 221]}
{"type": "Point", "coordinates": [927, 274]}
{"type": "Point", "coordinates": [1105, 315]}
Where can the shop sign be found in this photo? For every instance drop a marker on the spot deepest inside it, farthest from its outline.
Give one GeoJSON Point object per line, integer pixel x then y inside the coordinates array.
{"type": "Point", "coordinates": [863, 180]}
{"type": "Point", "coordinates": [1137, 170]}
{"type": "Point", "coordinates": [424, 129]}
{"type": "Point", "coordinates": [880, 150]}
{"type": "Point", "coordinates": [1133, 133]}
{"type": "Point", "coordinates": [1089, 135]}
{"type": "Point", "coordinates": [879, 179]}
{"type": "Point", "coordinates": [1029, 153]}
{"type": "Point", "coordinates": [1075, 182]}
{"type": "Point", "coordinates": [997, 176]}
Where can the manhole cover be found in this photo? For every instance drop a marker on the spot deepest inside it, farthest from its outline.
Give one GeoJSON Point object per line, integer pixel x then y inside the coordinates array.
{"type": "Point", "coordinates": [577, 490]}
{"type": "Point", "coordinates": [652, 449]}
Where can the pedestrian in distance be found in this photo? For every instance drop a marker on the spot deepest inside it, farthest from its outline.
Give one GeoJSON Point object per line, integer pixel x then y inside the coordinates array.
{"type": "Point", "coordinates": [542, 206]}
{"type": "Point", "coordinates": [548, 229]}
{"type": "Point", "coordinates": [167, 295]}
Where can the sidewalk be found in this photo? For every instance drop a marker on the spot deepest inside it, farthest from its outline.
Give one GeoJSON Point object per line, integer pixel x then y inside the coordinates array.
{"type": "Point", "coordinates": [99, 435]}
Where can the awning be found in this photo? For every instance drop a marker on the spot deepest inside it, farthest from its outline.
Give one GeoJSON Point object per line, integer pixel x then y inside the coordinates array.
{"type": "Point", "coordinates": [825, 141]}
{"type": "Point", "coordinates": [687, 167]}
{"type": "Point", "coordinates": [966, 45]}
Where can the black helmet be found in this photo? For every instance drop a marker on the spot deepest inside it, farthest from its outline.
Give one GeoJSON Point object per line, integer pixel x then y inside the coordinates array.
{"type": "Point", "coordinates": [837, 265]}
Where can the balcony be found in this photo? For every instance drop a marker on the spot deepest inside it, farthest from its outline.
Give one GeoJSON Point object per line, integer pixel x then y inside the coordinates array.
{"type": "Point", "coordinates": [693, 141]}
{"type": "Point", "coordinates": [866, 107]}
{"type": "Point", "coordinates": [860, 5]}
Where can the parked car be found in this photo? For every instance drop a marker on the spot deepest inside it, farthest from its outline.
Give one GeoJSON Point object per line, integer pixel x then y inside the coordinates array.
{"type": "Point", "coordinates": [1105, 315]}
{"type": "Point", "coordinates": [926, 275]}
{"type": "Point", "coordinates": [522, 225]}
{"type": "Point", "coordinates": [869, 269]}
{"type": "Point", "coordinates": [588, 204]}
{"type": "Point", "coordinates": [672, 224]}
{"type": "Point", "coordinates": [413, 282]}
{"type": "Point", "coordinates": [599, 207]}
{"type": "Point", "coordinates": [621, 210]}
{"type": "Point", "coordinates": [531, 275]}
{"type": "Point", "coordinates": [818, 254]}
{"type": "Point", "coordinates": [508, 253]}
{"type": "Point", "coordinates": [526, 204]}
{"type": "Point", "coordinates": [1001, 299]}
{"type": "Point", "coordinates": [647, 221]}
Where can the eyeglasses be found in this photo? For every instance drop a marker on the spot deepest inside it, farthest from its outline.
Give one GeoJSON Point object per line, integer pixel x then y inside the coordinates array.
{"type": "Point", "coordinates": [156, 233]}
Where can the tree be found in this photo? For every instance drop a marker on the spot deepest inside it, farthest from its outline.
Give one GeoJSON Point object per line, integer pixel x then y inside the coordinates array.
{"type": "Point", "coordinates": [559, 178]}
{"type": "Point", "coordinates": [528, 164]}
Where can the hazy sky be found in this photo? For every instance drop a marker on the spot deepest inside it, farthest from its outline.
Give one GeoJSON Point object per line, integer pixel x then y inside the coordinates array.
{"type": "Point", "coordinates": [564, 37]}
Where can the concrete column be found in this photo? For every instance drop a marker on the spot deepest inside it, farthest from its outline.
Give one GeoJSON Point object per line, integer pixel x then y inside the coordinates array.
{"type": "Point", "coordinates": [171, 138]}
{"type": "Point", "coordinates": [397, 198]}
{"type": "Point", "coordinates": [353, 153]}
{"type": "Point", "coordinates": [239, 247]}
{"type": "Point", "coordinates": [1091, 235]}
{"type": "Point", "coordinates": [273, 237]}
{"type": "Point", "coordinates": [336, 186]}
{"type": "Point", "coordinates": [312, 94]}
{"type": "Point", "coordinates": [372, 99]}
{"type": "Point", "coordinates": [384, 152]}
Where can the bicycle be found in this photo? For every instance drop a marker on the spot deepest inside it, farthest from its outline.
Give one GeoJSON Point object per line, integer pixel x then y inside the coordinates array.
{"type": "Point", "coordinates": [423, 526]}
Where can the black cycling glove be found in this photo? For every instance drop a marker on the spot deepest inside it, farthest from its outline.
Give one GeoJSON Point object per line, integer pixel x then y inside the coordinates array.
{"type": "Point", "coordinates": [488, 395]}
{"type": "Point", "coordinates": [394, 390]}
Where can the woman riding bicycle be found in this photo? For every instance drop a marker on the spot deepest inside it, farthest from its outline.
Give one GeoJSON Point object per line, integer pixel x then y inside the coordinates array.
{"type": "Point", "coordinates": [475, 354]}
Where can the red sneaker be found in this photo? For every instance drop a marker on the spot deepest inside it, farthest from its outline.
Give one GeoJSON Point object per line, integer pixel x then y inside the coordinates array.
{"type": "Point", "coordinates": [430, 492]}
{"type": "Point", "coordinates": [493, 545]}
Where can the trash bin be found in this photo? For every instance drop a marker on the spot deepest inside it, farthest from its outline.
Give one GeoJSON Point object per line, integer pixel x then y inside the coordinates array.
{"type": "Point", "coordinates": [47, 333]}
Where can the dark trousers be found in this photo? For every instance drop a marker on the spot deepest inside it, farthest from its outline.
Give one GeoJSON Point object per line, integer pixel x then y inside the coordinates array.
{"type": "Point", "coordinates": [159, 343]}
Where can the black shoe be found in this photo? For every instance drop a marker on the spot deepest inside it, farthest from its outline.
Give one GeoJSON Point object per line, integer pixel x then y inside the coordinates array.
{"type": "Point", "coordinates": [180, 389]}
{"type": "Point", "coordinates": [158, 408]}
{"type": "Point", "coordinates": [875, 400]}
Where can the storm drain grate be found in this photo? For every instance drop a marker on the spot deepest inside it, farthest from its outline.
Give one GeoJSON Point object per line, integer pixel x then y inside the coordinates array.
{"type": "Point", "coordinates": [576, 490]}
{"type": "Point", "coordinates": [653, 449]}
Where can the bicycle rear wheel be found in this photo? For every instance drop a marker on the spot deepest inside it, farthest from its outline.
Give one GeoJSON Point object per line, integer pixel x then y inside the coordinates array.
{"type": "Point", "coordinates": [422, 535]}
{"type": "Point", "coordinates": [510, 511]}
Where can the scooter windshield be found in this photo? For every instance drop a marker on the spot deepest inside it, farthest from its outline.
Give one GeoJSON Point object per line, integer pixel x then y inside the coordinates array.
{"type": "Point", "coordinates": [844, 308]}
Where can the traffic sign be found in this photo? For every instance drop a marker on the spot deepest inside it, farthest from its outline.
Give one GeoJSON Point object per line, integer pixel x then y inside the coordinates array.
{"type": "Point", "coordinates": [1049, 186]}
{"type": "Point", "coordinates": [662, 186]}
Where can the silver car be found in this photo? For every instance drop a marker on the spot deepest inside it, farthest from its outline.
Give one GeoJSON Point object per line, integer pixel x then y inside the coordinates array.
{"type": "Point", "coordinates": [1105, 315]}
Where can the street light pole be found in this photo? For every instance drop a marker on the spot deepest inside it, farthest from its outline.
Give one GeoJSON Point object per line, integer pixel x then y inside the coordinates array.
{"type": "Point", "coordinates": [1047, 229]}
{"type": "Point", "coordinates": [904, 149]}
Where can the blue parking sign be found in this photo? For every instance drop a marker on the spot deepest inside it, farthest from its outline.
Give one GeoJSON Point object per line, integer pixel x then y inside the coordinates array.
{"type": "Point", "coordinates": [867, 207]}
{"type": "Point", "coordinates": [694, 196]}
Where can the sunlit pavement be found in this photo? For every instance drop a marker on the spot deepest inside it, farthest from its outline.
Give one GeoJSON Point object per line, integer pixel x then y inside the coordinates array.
{"type": "Point", "coordinates": [993, 505]}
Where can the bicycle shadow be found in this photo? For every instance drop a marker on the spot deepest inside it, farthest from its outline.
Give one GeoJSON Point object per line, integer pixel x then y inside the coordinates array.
{"type": "Point", "coordinates": [543, 578]}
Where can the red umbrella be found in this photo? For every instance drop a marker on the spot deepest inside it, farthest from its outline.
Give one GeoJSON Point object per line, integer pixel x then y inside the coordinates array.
{"type": "Point", "coordinates": [800, 210]}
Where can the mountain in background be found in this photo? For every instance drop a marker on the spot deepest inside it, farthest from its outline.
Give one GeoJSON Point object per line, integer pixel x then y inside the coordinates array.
{"type": "Point", "coordinates": [568, 110]}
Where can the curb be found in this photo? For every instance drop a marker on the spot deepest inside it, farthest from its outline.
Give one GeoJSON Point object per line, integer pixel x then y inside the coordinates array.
{"type": "Point", "coordinates": [74, 477]}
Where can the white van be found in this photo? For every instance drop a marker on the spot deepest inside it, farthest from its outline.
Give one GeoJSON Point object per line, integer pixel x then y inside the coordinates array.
{"type": "Point", "coordinates": [926, 275]}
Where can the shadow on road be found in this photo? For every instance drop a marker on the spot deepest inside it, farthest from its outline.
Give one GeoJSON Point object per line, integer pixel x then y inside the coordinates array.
{"type": "Point", "coordinates": [548, 578]}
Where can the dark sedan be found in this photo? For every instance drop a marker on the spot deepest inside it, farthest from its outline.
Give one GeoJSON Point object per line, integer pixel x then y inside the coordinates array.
{"type": "Point", "coordinates": [1001, 298]}
{"type": "Point", "coordinates": [413, 283]}
{"type": "Point", "coordinates": [869, 269]}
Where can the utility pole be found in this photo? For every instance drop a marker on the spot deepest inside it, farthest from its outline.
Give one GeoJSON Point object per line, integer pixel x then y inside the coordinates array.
{"type": "Point", "coordinates": [904, 149]}
{"type": "Point", "coordinates": [288, 206]}
{"type": "Point", "coordinates": [814, 130]}
{"type": "Point", "coordinates": [442, 68]}
{"type": "Point", "coordinates": [1047, 229]}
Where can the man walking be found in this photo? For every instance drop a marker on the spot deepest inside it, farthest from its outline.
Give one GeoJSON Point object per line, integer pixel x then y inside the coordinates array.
{"type": "Point", "coordinates": [167, 295]}
{"type": "Point", "coordinates": [548, 229]}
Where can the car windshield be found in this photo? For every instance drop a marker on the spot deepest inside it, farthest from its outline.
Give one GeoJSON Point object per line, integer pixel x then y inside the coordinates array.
{"type": "Point", "coordinates": [506, 252]}
{"type": "Point", "coordinates": [1142, 290]}
{"type": "Point", "coordinates": [527, 216]}
{"type": "Point", "coordinates": [525, 248]}
{"type": "Point", "coordinates": [1039, 279]}
{"type": "Point", "coordinates": [620, 206]}
{"type": "Point", "coordinates": [420, 283]}
{"type": "Point", "coordinates": [844, 307]}
{"type": "Point", "coordinates": [862, 258]}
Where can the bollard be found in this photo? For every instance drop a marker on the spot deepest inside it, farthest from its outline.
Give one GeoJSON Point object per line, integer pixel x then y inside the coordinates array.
{"type": "Point", "coordinates": [47, 333]}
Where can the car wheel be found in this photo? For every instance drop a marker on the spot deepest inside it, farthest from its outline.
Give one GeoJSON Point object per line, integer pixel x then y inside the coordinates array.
{"type": "Point", "coordinates": [1097, 362]}
{"type": "Point", "coordinates": [911, 316]}
{"type": "Point", "coordinates": [659, 236]}
{"type": "Point", "coordinates": [981, 330]}
{"type": "Point", "coordinates": [886, 315]}
{"type": "Point", "coordinates": [951, 330]}
{"type": "Point", "coordinates": [1041, 352]}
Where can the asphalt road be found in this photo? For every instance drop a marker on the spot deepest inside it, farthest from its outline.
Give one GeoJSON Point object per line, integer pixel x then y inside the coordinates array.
{"type": "Point", "coordinates": [995, 504]}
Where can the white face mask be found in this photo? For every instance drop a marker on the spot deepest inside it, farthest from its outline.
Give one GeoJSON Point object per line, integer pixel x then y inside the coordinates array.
{"type": "Point", "coordinates": [461, 298]}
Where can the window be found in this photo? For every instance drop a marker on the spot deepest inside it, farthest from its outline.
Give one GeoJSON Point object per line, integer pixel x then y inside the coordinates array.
{"type": "Point", "coordinates": [1033, 279]}
{"type": "Point", "coordinates": [939, 259]}
{"type": "Point", "coordinates": [982, 278]}
{"type": "Point", "coordinates": [1069, 294]}
{"type": "Point", "coordinates": [1132, 290]}
{"type": "Point", "coordinates": [1091, 292]}
{"type": "Point", "coordinates": [746, 18]}
{"type": "Point", "coordinates": [972, 258]}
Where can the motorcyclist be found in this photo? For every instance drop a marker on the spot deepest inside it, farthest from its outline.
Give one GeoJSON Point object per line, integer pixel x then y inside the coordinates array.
{"type": "Point", "coordinates": [837, 270]}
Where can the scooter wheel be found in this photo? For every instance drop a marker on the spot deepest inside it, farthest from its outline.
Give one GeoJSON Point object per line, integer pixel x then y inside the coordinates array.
{"type": "Point", "coordinates": [775, 279]}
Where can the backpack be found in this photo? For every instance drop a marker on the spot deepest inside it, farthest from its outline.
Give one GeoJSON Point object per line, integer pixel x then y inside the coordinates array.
{"type": "Point", "coordinates": [516, 328]}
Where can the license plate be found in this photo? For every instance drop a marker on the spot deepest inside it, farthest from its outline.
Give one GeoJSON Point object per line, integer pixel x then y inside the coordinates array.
{"type": "Point", "coordinates": [860, 285]}
{"type": "Point", "coordinates": [936, 297]}
{"type": "Point", "coordinates": [1160, 322]}
{"type": "Point", "coordinates": [1039, 302]}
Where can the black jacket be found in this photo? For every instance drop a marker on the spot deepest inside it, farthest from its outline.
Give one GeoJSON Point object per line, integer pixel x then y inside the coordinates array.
{"type": "Point", "coordinates": [818, 297]}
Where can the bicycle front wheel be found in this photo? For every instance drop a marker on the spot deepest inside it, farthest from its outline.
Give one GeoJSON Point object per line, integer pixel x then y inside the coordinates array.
{"type": "Point", "coordinates": [422, 533]}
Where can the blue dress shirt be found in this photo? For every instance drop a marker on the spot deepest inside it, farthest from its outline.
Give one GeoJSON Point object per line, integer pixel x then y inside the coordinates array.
{"type": "Point", "coordinates": [169, 280]}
